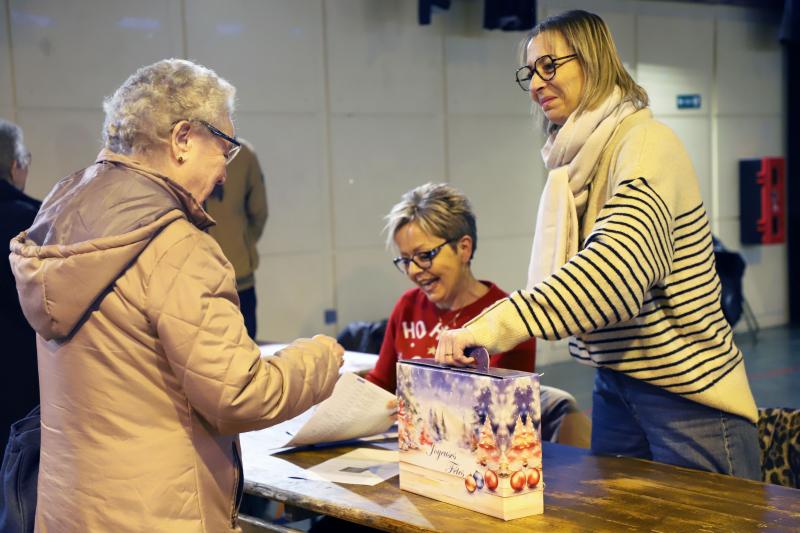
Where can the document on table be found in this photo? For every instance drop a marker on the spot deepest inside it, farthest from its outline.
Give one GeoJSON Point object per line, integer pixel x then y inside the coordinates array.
{"type": "Point", "coordinates": [356, 409]}
{"type": "Point", "coordinates": [353, 361]}
{"type": "Point", "coordinates": [362, 466]}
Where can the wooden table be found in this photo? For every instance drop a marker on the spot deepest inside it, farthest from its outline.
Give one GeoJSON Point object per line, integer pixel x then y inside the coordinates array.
{"type": "Point", "coordinates": [583, 492]}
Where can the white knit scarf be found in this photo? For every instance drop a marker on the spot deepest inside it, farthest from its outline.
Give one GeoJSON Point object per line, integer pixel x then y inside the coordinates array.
{"type": "Point", "coordinates": [570, 154]}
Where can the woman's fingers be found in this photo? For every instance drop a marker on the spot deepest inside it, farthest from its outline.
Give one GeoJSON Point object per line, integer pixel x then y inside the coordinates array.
{"type": "Point", "coordinates": [452, 344]}
{"type": "Point", "coordinates": [443, 349]}
{"type": "Point", "coordinates": [462, 360]}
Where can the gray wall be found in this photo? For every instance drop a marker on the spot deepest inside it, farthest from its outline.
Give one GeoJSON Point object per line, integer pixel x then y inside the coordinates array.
{"type": "Point", "coordinates": [349, 103]}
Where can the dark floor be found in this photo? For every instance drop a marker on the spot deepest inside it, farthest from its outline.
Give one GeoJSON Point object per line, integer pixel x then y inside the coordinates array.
{"type": "Point", "coordinates": [772, 358]}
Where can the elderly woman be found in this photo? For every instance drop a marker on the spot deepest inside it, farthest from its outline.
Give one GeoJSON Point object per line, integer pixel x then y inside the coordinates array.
{"type": "Point", "coordinates": [622, 262]}
{"type": "Point", "coordinates": [434, 229]}
{"type": "Point", "coordinates": [147, 371]}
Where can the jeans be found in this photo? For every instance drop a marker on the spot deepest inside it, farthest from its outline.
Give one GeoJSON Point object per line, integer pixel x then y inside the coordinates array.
{"type": "Point", "coordinates": [635, 419]}
{"type": "Point", "coordinates": [19, 475]}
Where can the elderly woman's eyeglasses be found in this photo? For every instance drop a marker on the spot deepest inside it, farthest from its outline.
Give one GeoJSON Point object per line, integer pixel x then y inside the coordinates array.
{"type": "Point", "coordinates": [423, 260]}
{"type": "Point", "coordinates": [232, 151]}
{"type": "Point", "coordinates": [236, 144]}
{"type": "Point", "coordinates": [545, 67]}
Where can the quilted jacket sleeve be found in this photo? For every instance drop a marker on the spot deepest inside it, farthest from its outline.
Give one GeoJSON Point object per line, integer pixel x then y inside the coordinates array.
{"type": "Point", "coordinates": [193, 304]}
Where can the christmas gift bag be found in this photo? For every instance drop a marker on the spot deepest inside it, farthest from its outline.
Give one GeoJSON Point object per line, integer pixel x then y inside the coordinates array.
{"type": "Point", "coordinates": [471, 436]}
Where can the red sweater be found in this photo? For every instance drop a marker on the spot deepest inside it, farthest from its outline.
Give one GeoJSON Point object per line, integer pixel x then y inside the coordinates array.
{"type": "Point", "coordinates": [413, 332]}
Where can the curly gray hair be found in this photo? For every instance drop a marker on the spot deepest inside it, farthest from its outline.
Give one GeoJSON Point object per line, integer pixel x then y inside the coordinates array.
{"type": "Point", "coordinates": [142, 111]}
{"type": "Point", "coordinates": [12, 148]}
{"type": "Point", "coordinates": [439, 209]}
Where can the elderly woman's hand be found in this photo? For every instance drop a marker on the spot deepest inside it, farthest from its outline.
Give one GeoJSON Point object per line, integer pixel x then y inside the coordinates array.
{"type": "Point", "coordinates": [336, 349]}
{"type": "Point", "coordinates": [451, 347]}
{"type": "Point", "coordinates": [331, 356]}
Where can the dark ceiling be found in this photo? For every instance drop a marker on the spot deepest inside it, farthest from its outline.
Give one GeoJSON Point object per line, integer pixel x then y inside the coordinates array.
{"type": "Point", "coordinates": [763, 4]}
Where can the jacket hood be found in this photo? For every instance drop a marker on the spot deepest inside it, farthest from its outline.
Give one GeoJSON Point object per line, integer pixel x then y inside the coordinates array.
{"type": "Point", "coordinates": [91, 227]}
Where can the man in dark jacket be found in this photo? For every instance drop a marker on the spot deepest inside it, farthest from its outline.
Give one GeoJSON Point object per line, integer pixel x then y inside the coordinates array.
{"type": "Point", "coordinates": [19, 384]}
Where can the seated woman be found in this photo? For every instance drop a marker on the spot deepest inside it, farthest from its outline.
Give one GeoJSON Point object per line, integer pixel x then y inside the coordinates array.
{"type": "Point", "coordinates": [434, 229]}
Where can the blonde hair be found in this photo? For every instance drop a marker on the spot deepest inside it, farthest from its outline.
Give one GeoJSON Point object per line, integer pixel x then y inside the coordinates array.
{"type": "Point", "coordinates": [142, 111]}
{"type": "Point", "coordinates": [439, 209]}
{"type": "Point", "coordinates": [590, 39]}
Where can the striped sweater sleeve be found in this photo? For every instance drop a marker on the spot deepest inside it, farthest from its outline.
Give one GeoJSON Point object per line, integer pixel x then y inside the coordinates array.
{"type": "Point", "coordinates": [629, 251]}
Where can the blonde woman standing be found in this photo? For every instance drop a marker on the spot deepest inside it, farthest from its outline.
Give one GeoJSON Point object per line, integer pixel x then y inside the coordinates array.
{"type": "Point", "coordinates": [622, 263]}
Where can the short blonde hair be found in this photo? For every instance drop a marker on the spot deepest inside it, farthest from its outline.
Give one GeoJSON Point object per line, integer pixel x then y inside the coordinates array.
{"type": "Point", "coordinates": [590, 39]}
{"type": "Point", "coordinates": [142, 111]}
{"type": "Point", "coordinates": [439, 209]}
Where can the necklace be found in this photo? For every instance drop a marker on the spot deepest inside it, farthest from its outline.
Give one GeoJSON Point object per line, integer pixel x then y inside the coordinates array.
{"type": "Point", "coordinates": [446, 325]}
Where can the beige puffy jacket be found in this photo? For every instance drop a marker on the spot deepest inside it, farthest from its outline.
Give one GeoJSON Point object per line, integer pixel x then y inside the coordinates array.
{"type": "Point", "coordinates": [147, 373]}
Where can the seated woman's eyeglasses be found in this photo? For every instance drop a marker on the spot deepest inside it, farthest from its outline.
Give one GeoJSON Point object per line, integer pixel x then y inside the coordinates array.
{"type": "Point", "coordinates": [545, 67]}
{"type": "Point", "coordinates": [423, 260]}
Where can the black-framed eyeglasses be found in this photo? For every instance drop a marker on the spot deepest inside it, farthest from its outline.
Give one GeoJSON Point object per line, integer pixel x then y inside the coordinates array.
{"type": "Point", "coordinates": [423, 260]}
{"type": "Point", "coordinates": [231, 153]}
{"type": "Point", "coordinates": [236, 144]}
{"type": "Point", "coordinates": [545, 67]}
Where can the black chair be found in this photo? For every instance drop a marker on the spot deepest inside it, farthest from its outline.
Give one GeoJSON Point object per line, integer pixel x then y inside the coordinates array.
{"type": "Point", "coordinates": [365, 337]}
{"type": "Point", "coordinates": [730, 269]}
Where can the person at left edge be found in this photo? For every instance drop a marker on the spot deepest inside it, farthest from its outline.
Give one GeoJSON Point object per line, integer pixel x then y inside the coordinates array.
{"type": "Point", "coordinates": [20, 388]}
{"type": "Point", "coordinates": [147, 373]}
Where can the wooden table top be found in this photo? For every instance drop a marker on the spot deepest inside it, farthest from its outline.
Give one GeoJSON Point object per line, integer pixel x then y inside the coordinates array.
{"type": "Point", "coordinates": [583, 492]}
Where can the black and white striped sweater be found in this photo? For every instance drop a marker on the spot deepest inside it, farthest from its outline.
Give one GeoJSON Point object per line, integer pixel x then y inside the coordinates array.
{"type": "Point", "coordinates": [642, 296]}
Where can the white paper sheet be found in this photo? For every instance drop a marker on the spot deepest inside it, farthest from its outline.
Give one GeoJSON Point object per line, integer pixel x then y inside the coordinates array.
{"type": "Point", "coordinates": [357, 362]}
{"type": "Point", "coordinates": [362, 466]}
{"type": "Point", "coordinates": [356, 409]}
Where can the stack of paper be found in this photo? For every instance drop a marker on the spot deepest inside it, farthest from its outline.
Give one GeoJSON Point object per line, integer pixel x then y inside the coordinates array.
{"type": "Point", "coordinates": [356, 409]}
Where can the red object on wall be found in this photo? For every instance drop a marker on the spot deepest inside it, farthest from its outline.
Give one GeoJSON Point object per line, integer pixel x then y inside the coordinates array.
{"type": "Point", "coordinates": [763, 200]}
{"type": "Point", "coordinates": [772, 224]}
